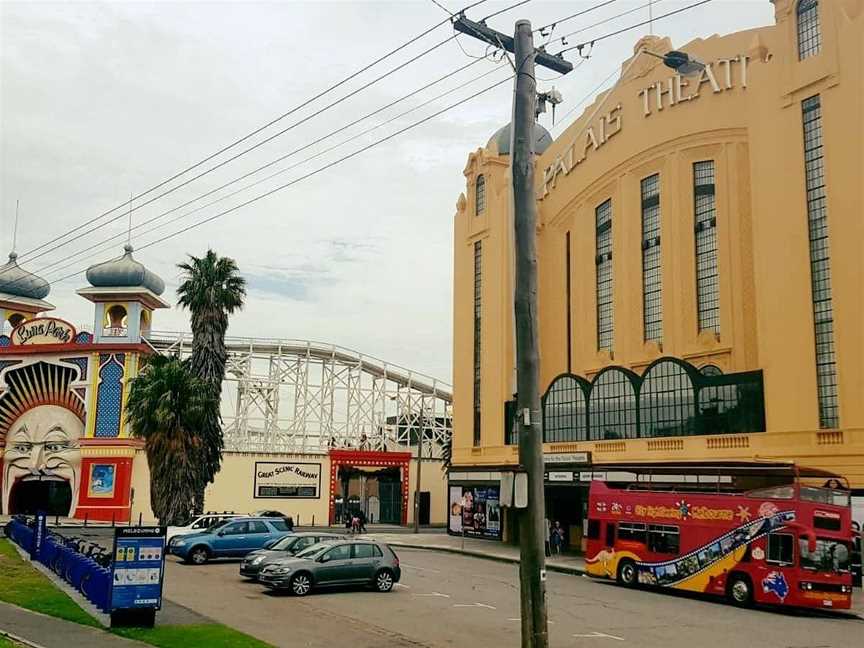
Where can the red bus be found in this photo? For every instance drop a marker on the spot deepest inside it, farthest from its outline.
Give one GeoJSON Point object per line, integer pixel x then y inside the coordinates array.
{"type": "Point", "coordinates": [778, 534]}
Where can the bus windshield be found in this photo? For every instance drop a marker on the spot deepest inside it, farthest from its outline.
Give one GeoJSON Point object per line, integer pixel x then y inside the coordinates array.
{"type": "Point", "coordinates": [830, 555]}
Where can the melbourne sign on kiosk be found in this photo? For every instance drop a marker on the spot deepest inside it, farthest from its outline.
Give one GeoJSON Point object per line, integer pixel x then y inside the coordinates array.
{"type": "Point", "coordinates": [138, 570]}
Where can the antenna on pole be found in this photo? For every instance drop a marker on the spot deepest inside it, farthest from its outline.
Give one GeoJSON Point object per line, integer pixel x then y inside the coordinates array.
{"type": "Point", "coordinates": [15, 228]}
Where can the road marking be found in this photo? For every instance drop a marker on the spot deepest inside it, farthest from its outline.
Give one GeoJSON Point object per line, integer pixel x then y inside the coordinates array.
{"type": "Point", "coordinates": [401, 585]}
{"type": "Point", "coordinates": [598, 635]}
{"type": "Point", "coordinates": [439, 594]}
{"type": "Point", "coordinates": [434, 571]}
{"type": "Point", "coordinates": [483, 605]}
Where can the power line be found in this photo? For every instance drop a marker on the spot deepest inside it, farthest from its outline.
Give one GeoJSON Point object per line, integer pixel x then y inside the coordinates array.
{"type": "Point", "coordinates": [602, 22]}
{"type": "Point", "coordinates": [257, 130]}
{"type": "Point", "coordinates": [442, 7]}
{"type": "Point", "coordinates": [625, 29]}
{"type": "Point", "coordinates": [114, 237]}
{"type": "Point", "coordinates": [552, 25]}
{"type": "Point", "coordinates": [81, 234]}
{"type": "Point", "coordinates": [500, 11]}
{"type": "Point", "coordinates": [312, 173]}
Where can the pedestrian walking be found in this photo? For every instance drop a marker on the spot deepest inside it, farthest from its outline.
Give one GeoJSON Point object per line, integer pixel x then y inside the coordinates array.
{"type": "Point", "coordinates": [547, 529]}
{"type": "Point", "coordinates": [361, 515]}
{"type": "Point", "coordinates": [557, 538]}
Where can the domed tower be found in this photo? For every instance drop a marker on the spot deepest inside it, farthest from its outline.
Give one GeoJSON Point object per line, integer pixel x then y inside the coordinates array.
{"type": "Point", "coordinates": [483, 351]}
{"type": "Point", "coordinates": [125, 294]}
{"type": "Point", "coordinates": [22, 293]}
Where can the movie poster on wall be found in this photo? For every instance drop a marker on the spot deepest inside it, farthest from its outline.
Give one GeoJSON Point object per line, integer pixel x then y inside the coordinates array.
{"type": "Point", "coordinates": [455, 516]}
{"type": "Point", "coordinates": [481, 511]}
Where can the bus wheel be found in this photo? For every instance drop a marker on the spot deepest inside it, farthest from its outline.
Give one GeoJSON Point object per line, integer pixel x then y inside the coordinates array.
{"type": "Point", "coordinates": [627, 573]}
{"type": "Point", "coordinates": [739, 590]}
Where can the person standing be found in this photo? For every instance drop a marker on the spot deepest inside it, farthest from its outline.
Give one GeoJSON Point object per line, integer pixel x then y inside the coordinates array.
{"type": "Point", "coordinates": [547, 528]}
{"type": "Point", "coordinates": [557, 538]}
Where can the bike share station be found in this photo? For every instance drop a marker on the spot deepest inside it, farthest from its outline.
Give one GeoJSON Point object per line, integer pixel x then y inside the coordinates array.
{"type": "Point", "coordinates": [129, 589]}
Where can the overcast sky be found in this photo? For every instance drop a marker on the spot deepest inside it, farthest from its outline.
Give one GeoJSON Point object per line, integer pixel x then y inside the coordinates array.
{"type": "Point", "coordinates": [98, 100]}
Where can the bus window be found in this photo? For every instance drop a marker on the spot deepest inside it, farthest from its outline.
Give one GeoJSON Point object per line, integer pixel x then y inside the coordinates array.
{"type": "Point", "coordinates": [830, 555]}
{"type": "Point", "coordinates": [593, 529]}
{"type": "Point", "coordinates": [610, 534]}
{"type": "Point", "coordinates": [663, 538]}
{"type": "Point", "coordinates": [780, 547]}
{"type": "Point", "coordinates": [632, 531]}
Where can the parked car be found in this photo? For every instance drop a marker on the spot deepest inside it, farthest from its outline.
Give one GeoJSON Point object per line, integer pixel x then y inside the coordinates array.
{"type": "Point", "coordinates": [354, 562]}
{"type": "Point", "coordinates": [283, 548]}
{"type": "Point", "coordinates": [231, 539]}
{"type": "Point", "coordinates": [200, 523]}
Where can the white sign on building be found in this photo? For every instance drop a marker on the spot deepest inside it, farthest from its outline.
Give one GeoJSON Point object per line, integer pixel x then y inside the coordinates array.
{"type": "Point", "coordinates": [287, 480]}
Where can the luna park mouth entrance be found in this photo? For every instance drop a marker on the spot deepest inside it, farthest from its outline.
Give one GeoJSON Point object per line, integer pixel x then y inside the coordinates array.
{"type": "Point", "coordinates": [53, 496]}
{"type": "Point", "coordinates": [373, 482]}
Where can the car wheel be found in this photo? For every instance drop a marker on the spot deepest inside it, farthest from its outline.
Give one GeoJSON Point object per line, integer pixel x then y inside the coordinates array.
{"type": "Point", "coordinates": [300, 584]}
{"type": "Point", "coordinates": [384, 580]}
{"type": "Point", "coordinates": [627, 574]}
{"type": "Point", "coordinates": [740, 591]}
{"type": "Point", "coordinates": [199, 555]}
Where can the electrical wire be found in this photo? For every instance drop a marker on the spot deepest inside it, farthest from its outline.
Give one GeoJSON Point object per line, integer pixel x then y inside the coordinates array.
{"type": "Point", "coordinates": [625, 29]}
{"type": "Point", "coordinates": [321, 169]}
{"type": "Point", "coordinates": [552, 25]}
{"type": "Point", "coordinates": [602, 22]}
{"type": "Point", "coordinates": [501, 11]}
{"type": "Point", "coordinates": [112, 239]}
{"type": "Point", "coordinates": [254, 132]}
{"type": "Point", "coordinates": [442, 7]}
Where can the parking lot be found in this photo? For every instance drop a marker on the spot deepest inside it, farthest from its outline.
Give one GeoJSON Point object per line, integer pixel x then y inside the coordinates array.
{"type": "Point", "coordinates": [450, 600]}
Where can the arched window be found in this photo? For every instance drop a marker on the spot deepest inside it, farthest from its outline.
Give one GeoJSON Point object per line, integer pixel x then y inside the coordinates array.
{"type": "Point", "coordinates": [564, 410]}
{"type": "Point", "coordinates": [809, 35]}
{"type": "Point", "coordinates": [480, 195]}
{"type": "Point", "coordinates": [145, 322]}
{"type": "Point", "coordinates": [710, 370]}
{"type": "Point", "coordinates": [115, 321]}
{"type": "Point", "coordinates": [15, 319]}
{"type": "Point", "coordinates": [667, 401]}
{"type": "Point", "coordinates": [612, 406]}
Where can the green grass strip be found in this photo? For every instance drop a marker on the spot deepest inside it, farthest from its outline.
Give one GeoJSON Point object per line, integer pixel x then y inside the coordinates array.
{"type": "Point", "coordinates": [212, 635]}
{"type": "Point", "coordinates": [22, 585]}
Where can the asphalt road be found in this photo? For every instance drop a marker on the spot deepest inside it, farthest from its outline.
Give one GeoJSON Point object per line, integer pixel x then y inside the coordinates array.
{"type": "Point", "coordinates": [459, 601]}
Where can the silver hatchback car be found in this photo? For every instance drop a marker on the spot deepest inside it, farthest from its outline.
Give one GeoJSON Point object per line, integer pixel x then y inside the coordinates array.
{"type": "Point", "coordinates": [353, 562]}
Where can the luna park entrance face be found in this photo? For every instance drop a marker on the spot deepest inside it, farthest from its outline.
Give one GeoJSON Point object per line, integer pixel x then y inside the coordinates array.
{"type": "Point", "coordinates": [54, 497]}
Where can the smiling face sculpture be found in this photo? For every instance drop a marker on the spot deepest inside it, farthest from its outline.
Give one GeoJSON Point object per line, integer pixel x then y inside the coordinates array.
{"type": "Point", "coordinates": [43, 444]}
{"type": "Point", "coordinates": [41, 425]}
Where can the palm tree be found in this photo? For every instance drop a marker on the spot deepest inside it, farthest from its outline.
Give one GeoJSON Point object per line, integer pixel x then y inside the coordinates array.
{"type": "Point", "coordinates": [167, 404]}
{"type": "Point", "coordinates": [212, 289]}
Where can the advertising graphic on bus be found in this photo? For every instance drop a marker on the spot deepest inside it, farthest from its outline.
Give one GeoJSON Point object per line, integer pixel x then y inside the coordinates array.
{"type": "Point", "coordinates": [784, 544]}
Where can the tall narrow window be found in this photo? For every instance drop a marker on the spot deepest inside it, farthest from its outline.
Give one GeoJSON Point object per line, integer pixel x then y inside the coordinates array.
{"type": "Point", "coordinates": [478, 284]}
{"type": "Point", "coordinates": [809, 34]}
{"type": "Point", "coordinates": [603, 259]}
{"type": "Point", "coordinates": [652, 284]}
{"type": "Point", "coordinates": [480, 195]}
{"type": "Point", "coordinates": [569, 303]}
{"type": "Point", "coordinates": [707, 289]}
{"type": "Point", "coordinates": [820, 267]}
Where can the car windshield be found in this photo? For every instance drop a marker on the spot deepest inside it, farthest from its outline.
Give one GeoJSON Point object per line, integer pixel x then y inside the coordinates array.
{"type": "Point", "coordinates": [219, 523]}
{"type": "Point", "coordinates": [284, 544]}
{"type": "Point", "coordinates": [830, 555]}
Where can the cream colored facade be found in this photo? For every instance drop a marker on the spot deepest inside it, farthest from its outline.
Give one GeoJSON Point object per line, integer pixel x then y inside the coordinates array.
{"type": "Point", "coordinates": [233, 489]}
{"type": "Point", "coordinates": [745, 116]}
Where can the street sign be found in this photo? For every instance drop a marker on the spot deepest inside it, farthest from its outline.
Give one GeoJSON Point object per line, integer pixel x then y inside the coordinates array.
{"type": "Point", "coordinates": [567, 458]}
{"type": "Point", "coordinates": [560, 476]}
{"type": "Point", "coordinates": [137, 573]}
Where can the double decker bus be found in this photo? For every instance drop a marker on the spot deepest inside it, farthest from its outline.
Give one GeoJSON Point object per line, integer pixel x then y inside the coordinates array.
{"type": "Point", "coordinates": [776, 534]}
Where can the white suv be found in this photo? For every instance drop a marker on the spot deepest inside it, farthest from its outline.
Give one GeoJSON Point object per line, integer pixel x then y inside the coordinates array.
{"type": "Point", "coordinates": [200, 523]}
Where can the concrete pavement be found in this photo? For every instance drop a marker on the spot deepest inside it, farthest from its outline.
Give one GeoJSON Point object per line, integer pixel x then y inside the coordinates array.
{"type": "Point", "coordinates": [51, 632]}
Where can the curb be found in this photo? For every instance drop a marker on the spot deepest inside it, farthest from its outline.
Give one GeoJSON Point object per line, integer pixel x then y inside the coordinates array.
{"type": "Point", "coordinates": [20, 640]}
{"type": "Point", "coordinates": [563, 569]}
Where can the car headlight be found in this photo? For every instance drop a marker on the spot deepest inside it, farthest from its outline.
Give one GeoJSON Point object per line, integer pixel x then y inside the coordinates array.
{"type": "Point", "coordinates": [178, 543]}
{"type": "Point", "coordinates": [257, 560]}
{"type": "Point", "coordinates": [282, 570]}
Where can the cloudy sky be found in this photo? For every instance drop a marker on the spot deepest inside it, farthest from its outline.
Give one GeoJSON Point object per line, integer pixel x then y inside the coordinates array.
{"type": "Point", "coordinates": [102, 100]}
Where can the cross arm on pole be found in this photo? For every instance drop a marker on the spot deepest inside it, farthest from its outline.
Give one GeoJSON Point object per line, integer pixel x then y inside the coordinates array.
{"type": "Point", "coordinates": [482, 32]}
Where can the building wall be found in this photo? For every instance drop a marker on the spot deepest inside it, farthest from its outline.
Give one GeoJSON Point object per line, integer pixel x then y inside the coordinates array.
{"type": "Point", "coordinates": [752, 129]}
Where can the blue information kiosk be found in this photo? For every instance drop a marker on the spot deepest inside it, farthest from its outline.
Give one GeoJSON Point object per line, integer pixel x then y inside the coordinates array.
{"type": "Point", "coordinates": [137, 573]}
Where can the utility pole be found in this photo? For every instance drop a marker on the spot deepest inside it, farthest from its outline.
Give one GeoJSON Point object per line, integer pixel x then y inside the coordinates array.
{"type": "Point", "coordinates": [417, 487]}
{"type": "Point", "coordinates": [532, 555]}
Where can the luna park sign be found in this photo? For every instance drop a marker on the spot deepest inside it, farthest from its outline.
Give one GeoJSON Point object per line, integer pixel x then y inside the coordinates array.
{"type": "Point", "coordinates": [43, 330]}
{"type": "Point", "coordinates": [718, 76]}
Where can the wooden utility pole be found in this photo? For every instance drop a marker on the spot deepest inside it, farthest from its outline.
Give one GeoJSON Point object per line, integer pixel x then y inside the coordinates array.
{"type": "Point", "coordinates": [532, 554]}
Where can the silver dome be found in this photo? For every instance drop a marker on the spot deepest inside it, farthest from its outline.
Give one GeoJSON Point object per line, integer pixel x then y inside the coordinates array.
{"type": "Point", "coordinates": [17, 282]}
{"type": "Point", "coordinates": [125, 272]}
{"type": "Point", "coordinates": [501, 139]}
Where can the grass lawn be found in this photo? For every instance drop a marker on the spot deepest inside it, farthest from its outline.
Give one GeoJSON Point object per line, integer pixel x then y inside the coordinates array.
{"type": "Point", "coordinates": [25, 587]}
{"type": "Point", "coordinates": [212, 635]}
{"type": "Point", "coordinates": [22, 585]}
